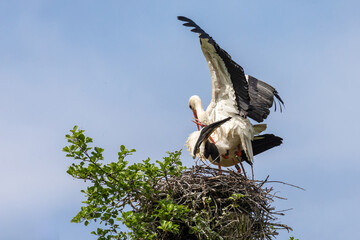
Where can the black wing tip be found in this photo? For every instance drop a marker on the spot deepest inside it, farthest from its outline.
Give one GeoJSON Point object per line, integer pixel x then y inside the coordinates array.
{"type": "Point", "coordinates": [281, 102]}
{"type": "Point", "coordinates": [276, 140]}
{"type": "Point", "coordinates": [196, 28]}
{"type": "Point", "coordinates": [182, 18]}
{"type": "Point", "coordinates": [188, 22]}
{"type": "Point", "coordinates": [276, 94]}
{"type": "Point", "coordinates": [262, 143]}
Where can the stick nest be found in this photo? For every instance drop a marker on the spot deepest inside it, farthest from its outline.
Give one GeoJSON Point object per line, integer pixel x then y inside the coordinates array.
{"type": "Point", "coordinates": [222, 205]}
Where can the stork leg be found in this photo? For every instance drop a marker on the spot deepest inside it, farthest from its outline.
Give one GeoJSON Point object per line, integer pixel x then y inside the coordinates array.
{"type": "Point", "coordinates": [219, 164]}
{"type": "Point", "coordinates": [238, 154]}
{"type": "Point", "coordinates": [252, 172]}
{"type": "Point", "coordinates": [236, 166]}
{"type": "Point", "coordinates": [226, 155]}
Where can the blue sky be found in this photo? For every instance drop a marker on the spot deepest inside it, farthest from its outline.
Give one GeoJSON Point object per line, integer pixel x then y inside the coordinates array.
{"type": "Point", "coordinates": [124, 72]}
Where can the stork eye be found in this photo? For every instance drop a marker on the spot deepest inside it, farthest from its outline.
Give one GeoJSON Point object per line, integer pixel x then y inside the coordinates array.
{"type": "Point", "coordinates": [190, 107]}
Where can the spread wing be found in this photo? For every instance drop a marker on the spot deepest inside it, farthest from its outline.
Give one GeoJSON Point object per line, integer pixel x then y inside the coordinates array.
{"type": "Point", "coordinates": [262, 98]}
{"type": "Point", "coordinates": [228, 78]}
{"type": "Point", "coordinates": [244, 95]}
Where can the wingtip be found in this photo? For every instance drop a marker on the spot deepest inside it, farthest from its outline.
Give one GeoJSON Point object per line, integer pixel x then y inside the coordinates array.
{"type": "Point", "coordinates": [281, 102]}
{"type": "Point", "coordinates": [182, 18]}
{"type": "Point", "coordinates": [195, 28]}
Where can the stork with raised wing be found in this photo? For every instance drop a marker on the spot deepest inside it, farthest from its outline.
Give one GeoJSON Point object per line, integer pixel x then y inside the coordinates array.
{"type": "Point", "coordinates": [234, 95]}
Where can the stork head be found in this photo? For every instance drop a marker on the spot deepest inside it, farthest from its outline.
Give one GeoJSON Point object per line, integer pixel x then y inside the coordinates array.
{"type": "Point", "coordinates": [195, 105]}
{"type": "Point", "coordinates": [195, 102]}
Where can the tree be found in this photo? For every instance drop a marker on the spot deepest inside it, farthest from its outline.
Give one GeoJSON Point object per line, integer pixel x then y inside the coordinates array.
{"type": "Point", "coordinates": [165, 200]}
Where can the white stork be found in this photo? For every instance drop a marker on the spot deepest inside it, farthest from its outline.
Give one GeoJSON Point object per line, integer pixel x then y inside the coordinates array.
{"type": "Point", "coordinates": [234, 95]}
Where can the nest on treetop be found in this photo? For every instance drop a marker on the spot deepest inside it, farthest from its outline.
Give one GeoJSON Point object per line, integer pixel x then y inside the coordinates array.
{"type": "Point", "coordinates": [222, 206]}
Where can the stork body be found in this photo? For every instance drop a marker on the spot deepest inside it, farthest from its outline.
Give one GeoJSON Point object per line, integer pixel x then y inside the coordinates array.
{"type": "Point", "coordinates": [219, 155]}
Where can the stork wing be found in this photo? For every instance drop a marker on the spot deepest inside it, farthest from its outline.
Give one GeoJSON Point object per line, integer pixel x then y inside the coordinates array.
{"type": "Point", "coordinates": [261, 98]}
{"type": "Point", "coordinates": [206, 132]}
{"type": "Point", "coordinates": [252, 97]}
{"type": "Point", "coordinates": [228, 78]}
{"type": "Point", "coordinates": [262, 143]}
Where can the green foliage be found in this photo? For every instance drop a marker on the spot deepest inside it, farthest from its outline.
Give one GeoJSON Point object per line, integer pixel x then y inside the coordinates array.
{"type": "Point", "coordinates": [117, 186]}
{"type": "Point", "coordinates": [292, 238]}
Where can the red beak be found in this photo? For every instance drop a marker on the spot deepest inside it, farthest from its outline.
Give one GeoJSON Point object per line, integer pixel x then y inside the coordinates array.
{"type": "Point", "coordinates": [196, 118]}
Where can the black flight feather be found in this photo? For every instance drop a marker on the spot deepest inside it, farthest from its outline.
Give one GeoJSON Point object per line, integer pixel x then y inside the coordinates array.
{"type": "Point", "coordinates": [262, 98]}
{"type": "Point", "coordinates": [262, 143]}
